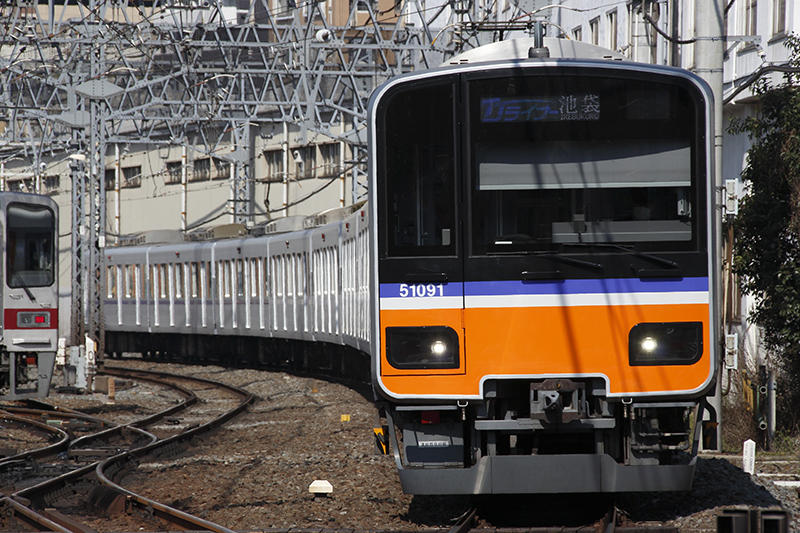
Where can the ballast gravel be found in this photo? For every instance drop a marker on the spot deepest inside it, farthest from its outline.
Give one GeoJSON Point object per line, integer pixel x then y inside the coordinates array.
{"type": "Point", "coordinates": [255, 472]}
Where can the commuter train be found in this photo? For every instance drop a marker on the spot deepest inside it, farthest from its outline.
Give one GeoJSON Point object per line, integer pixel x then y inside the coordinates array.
{"type": "Point", "coordinates": [531, 287]}
{"type": "Point", "coordinates": [29, 327]}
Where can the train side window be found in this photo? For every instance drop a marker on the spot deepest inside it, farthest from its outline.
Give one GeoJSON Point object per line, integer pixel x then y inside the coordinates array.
{"type": "Point", "coordinates": [128, 280]}
{"type": "Point", "coordinates": [254, 277]}
{"type": "Point", "coordinates": [163, 280]}
{"type": "Point", "coordinates": [137, 281]}
{"type": "Point", "coordinates": [417, 171]}
{"type": "Point", "coordinates": [239, 278]}
{"type": "Point", "coordinates": [30, 245]}
{"type": "Point", "coordinates": [195, 280]}
{"type": "Point", "coordinates": [290, 274]}
{"type": "Point", "coordinates": [207, 267]}
{"type": "Point", "coordinates": [178, 268]}
{"type": "Point", "coordinates": [265, 264]}
{"type": "Point", "coordinates": [111, 282]}
{"type": "Point", "coordinates": [279, 279]}
{"type": "Point", "coordinates": [226, 276]}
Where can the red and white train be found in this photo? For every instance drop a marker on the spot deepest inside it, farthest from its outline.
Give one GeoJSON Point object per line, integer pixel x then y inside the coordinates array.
{"type": "Point", "coordinates": [29, 225]}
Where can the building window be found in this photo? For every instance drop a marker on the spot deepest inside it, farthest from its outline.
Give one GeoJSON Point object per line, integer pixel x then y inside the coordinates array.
{"type": "Point", "coordinates": [20, 185]}
{"type": "Point", "coordinates": [363, 5]}
{"type": "Point", "coordinates": [222, 169]}
{"type": "Point", "coordinates": [110, 179]}
{"type": "Point", "coordinates": [594, 31]}
{"type": "Point", "coordinates": [750, 17]}
{"type": "Point", "coordinates": [202, 169]}
{"type": "Point", "coordinates": [577, 33]}
{"type": "Point", "coordinates": [50, 184]}
{"type": "Point", "coordinates": [131, 177]}
{"type": "Point", "coordinates": [778, 17]}
{"type": "Point", "coordinates": [274, 165]}
{"type": "Point", "coordinates": [329, 154]}
{"type": "Point", "coordinates": [612, 30]}
{"type": "Point", "coordinates": [654, 13]}
{"type": "Point", "coordinates": [305, 162]}
{"type": "Point", "coordinates": [173, 172]}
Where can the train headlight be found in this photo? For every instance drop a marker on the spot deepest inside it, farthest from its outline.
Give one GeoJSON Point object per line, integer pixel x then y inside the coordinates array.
{"type": "Point", "coordinates": [649, 345]}
{"type": "Point", "coordinates": [422, 347]}
{"type": "Point", "coordinates": [665, 343]}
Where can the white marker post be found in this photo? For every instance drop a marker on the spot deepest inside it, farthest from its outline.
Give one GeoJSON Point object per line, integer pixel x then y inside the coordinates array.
{"type": "Point", "coordinates": [749, 456]}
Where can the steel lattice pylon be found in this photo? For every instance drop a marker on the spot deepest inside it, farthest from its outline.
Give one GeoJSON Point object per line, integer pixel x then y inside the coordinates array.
{"type": "Point", "coordinates": [76, 76]}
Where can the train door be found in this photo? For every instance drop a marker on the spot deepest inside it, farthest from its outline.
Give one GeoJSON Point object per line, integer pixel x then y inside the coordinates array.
{"type": "Point", "coordinates": [420, 268]}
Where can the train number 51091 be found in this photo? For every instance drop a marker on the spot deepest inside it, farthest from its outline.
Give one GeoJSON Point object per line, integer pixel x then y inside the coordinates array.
{"type": "Point", "coordinates": [421, 290]}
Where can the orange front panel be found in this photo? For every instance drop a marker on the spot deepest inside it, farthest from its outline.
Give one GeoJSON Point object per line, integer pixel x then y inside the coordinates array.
{"type": "Point", "coordinates": [530, 341]}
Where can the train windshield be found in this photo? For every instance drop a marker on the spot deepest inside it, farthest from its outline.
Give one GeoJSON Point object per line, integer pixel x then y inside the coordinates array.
{"type": "Point", "coordinates": [30, 250]}
{"type": "Point", "coordinates": [569, 160]}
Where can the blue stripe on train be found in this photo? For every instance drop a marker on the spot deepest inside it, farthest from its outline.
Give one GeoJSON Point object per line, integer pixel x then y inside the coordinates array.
{"type": "Point", "coordinates": [569, 286]}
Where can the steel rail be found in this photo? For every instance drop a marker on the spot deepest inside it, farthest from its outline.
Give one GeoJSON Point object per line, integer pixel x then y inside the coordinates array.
{"type": "Point", "coordinates": [37, 452]}
{"type": "Point", "coordinates": [111, 429]}
{"type": "Point", "coordinates": [117, 463]}
{"type": "Point", "coordinates": [36, 492]}
{"type": "Point", "coordinates": [33, 518]}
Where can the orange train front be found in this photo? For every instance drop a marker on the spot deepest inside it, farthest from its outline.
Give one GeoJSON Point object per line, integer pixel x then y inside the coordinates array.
{"type": "Point", "coordinates": [544, 317]}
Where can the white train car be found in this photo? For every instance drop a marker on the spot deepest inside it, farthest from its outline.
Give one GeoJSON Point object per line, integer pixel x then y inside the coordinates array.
{"type": "Point", "coordinates": [223, 300]}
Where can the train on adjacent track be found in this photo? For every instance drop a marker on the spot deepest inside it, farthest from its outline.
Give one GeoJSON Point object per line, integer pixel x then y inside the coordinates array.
{"type": "Point", "coordinates": [29, 321]}
{"type": "Point", "coordinates": [531, 288]}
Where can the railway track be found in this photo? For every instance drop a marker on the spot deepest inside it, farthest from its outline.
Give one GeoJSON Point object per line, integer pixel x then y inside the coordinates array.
{"type": "Point", "coordinates": [64, 478]}
{"type": "Point", "coordinates": [611, 521]}
{"type": "Point", "coordinates": [254, 475]}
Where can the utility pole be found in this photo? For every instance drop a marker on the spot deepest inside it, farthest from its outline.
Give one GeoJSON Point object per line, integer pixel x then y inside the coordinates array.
{"type": "Point", "coordinates": [709, 56]}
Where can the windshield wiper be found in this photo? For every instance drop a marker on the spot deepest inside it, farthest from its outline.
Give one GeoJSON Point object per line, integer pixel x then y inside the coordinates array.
{"type": "Point", "coordinates": [531, 275]}
{"type": "Point", "coordinates": [627, 249]}
{"type": "Point", "coordinates": [553, 256]}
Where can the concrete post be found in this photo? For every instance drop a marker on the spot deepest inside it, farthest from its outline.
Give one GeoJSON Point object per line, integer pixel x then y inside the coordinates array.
{"type": "Point", "coordinates": [184, 187]}
{"type": "Point", "coordinates": [709, 53]}
{"type": "Point", "coordinates": [117, 180]}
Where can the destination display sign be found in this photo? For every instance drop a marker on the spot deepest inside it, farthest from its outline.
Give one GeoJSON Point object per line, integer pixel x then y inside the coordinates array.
{"type": "Point", "coordinates": [543, 109]}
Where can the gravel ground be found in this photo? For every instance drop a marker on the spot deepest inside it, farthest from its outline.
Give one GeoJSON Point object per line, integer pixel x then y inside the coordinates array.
{"type": "Point", "coordinates": [255, 472]}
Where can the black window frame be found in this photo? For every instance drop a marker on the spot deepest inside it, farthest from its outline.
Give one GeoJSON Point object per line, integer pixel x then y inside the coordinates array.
{"type": "Point", "coordinates": [11, 269]}
{"type": "Point", "coordinates": [386, 249]}
{"type": "Point", "coordinates": [696, 254]}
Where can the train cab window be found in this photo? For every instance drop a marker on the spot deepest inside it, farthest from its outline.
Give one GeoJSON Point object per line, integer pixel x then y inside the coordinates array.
{"type": "Point", "coordinates": [417, 168]}
{"type": "Point", "coordinates": [574, 161]}
{"type": "Point", "coordinates": [30, 246]}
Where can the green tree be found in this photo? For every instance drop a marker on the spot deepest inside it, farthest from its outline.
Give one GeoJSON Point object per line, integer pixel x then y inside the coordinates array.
{"type": "Point", "coordinates": [767, 229]}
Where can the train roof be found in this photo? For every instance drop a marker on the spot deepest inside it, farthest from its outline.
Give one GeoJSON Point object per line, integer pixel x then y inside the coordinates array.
{"type": "Point", "coordinates": [519, 49]}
